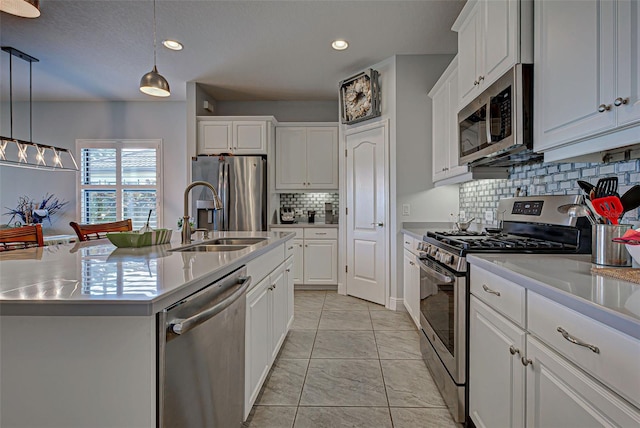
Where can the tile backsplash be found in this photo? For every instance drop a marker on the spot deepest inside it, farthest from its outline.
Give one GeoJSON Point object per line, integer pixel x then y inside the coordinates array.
{"type": "Point", "coordinates": [303, 202]}
{"type": "Point", "coordinates": [477, 197]}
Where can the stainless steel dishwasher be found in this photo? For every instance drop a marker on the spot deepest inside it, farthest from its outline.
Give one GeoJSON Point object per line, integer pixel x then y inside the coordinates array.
{"type": "Point", "coordinates": [201, 357]}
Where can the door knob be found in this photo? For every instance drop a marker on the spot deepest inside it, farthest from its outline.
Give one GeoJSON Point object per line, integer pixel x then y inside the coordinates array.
{"type": "Point", "coordinates": [604, 107]}
{"type": "Point", "coordinates": [378, 224]}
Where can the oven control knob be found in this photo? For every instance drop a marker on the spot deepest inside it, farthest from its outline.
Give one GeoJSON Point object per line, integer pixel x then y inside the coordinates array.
{"type": "Point", "coordinates": [434, 252]}
{"type": "Point", "coordinates": [450, 260]}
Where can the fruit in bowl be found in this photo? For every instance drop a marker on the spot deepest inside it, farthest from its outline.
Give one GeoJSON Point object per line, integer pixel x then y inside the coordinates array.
{"type": "Point", "coordinates": [631, 239]}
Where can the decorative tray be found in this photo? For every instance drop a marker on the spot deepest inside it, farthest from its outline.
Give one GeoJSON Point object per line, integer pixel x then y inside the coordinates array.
{"type": "Point", "coordinates": [137, 240]}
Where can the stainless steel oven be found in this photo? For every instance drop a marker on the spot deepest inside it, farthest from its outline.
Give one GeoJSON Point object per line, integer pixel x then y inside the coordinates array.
{"type": "Point", "coordinates": [443, 320]}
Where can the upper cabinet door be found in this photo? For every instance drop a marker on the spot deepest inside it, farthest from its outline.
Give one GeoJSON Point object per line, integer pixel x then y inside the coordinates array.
{"type": "Point", "coordinates": [250, 137]}
{"type": "Point", "coordinates": [501, 38]}
{"type": "Point", "coordinates": [441, 140]}
{"type": "Point", "coordinates": [322, 158]}
{"type": "Point", "coordinates": [575, 70]}
{"type": "Point", "coordinates": [215, 137]}
{"type": "Point", "coordinates": [469, 39]}
{"type": "Point", "coordinates": [291, 157]}
{"type": "Point", "coordinates": [627, 97]}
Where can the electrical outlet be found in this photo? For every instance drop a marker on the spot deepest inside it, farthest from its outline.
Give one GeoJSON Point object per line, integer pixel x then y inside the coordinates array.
{"type": "Point", "coordinates": [488, 215]}
{"type": "Point", "coordinates": [406, 209]}
{"type": "Point", "coordinates": [462, 215]}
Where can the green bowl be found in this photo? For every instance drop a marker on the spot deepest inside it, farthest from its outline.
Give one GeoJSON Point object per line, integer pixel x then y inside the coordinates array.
{"type": "Point", "coordinates": [137, 240]}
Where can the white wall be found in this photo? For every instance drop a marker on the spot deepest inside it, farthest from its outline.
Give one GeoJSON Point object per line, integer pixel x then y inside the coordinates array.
{"type": "Point", "coordinates": [61, 123]}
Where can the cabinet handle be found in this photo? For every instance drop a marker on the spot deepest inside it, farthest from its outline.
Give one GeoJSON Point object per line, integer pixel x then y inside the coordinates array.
{"type": "Point", "coordinates": [577, 341]}
{"type": "Point", "coordinates": [604, 107]}
{"type": "Point", "coordinates": [406, 242]}
{"type": "Point", "coordinates": [412, 263]}
{"type": "Point", "coordinates": [378, 224]}
{"type": "Point", "coordinates": [272, 287]}
{"type": "Point", "coordinates": [287, 270]}
{"type": "Point", "coordinates": [490, 291]}
{"type": "Point", "coordinates": [619, 101]}
{"type": "Point", "coordinates": [513, 350]}
{"type": "Point", "coordinates": [526, 361]}
{"type": "Point", "coordinates": [480, 79]}
{"type": "Point", "coordinates": [306, 245]}
{"type": "Point", "coordinates": [476, 83]}
{"type": "Point", "coordinates": [290, 248]}
{"type": "Point", "coordinates": [321, 233]}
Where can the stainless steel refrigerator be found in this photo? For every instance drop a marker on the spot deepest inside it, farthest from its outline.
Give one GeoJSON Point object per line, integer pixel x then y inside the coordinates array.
{"type": "Point", "coordinates": [241, 182]}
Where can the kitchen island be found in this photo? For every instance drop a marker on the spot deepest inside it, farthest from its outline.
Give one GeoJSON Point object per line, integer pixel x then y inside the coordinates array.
{"type": "Point", "coordinates": [552, 343]}
{"type": "Point", "coordinates": [78, 334]}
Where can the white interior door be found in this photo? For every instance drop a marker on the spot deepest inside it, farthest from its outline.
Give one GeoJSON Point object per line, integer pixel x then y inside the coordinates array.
{"type": "Point", "coordinates": [366, 223]}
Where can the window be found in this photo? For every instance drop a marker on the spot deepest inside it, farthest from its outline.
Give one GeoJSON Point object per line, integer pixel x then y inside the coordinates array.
{"type": "Point", "coordinates": [120, 180]}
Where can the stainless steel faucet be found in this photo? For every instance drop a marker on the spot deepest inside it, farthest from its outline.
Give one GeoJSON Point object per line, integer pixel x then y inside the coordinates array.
{"type": "Point", "coordinates": [186, 227]}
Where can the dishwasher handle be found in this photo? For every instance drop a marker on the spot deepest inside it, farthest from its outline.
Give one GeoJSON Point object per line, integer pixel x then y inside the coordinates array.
{"type": "Point", "coordinates": [181, 326]}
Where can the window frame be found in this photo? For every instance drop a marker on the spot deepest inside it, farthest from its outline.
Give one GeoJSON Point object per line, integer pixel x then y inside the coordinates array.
{"type": "Point", "coordinates": [119, 188]}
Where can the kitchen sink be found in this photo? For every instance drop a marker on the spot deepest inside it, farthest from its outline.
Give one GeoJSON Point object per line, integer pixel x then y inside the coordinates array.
{"type": "Point", "coordinates": [211, 248]}
{"type": "Point", "coordinates": [235, 241]}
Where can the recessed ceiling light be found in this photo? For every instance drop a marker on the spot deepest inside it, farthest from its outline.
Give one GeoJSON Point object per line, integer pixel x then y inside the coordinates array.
{"type": "Point", "coordinates": [173, 45]}
{"type": "Point", "coordinates": [339, 45]}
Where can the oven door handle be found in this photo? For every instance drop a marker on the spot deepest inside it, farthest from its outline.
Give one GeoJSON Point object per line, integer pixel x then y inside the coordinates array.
{"type": "Point", "coordinates": [446, 279]}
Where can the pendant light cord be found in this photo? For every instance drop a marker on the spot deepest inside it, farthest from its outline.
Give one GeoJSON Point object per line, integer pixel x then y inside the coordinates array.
{"type": "Point", "coordinates": [154, 33]}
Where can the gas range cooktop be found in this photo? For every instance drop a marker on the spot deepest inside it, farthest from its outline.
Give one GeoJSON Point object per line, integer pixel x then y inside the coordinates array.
{"type": "Point", "coordinates": [531, 225]}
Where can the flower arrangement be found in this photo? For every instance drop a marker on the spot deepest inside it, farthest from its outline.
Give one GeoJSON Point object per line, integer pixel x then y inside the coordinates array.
{"type": "Point", "coordinates": [31, 212]}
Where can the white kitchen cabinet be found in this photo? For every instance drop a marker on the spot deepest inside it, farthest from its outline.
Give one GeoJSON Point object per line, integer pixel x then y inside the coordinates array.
{"type": "Point", "coordinates": [289, 279]}
{"type": "Point", "coordinates": [493, 35]}
{"type": "Point", "coordinates": [257, 343]}
{"type": "Point", "coordinates": [412, 287]}
{"type": "Point", "coordinates": [237, 135]}
{"type": "Point", "coordinates": [298, 261]}
{"type": "Point", "coordinates": [496, 374]}
{"type": "Point", "coordinates": [524, 372]}
{"type": "Point", "coordinates": [321, 261]}
{"type": "Point", "coordinates": [587, 95]}
{"type": "Point", "coordinates": [306, 157]}
{"type": "Point", "coordinates": [444, 97]}
{"type": "Point", "coordinates": [561, 395]}
{"type": "Point", "coordinates": [279, 309]}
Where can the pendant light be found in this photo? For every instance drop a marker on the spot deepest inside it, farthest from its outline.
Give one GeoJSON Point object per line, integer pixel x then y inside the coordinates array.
{"type": "Point", "coordinates": [22, 8]}
{"type": "Point", "coordinates": [153, 83]}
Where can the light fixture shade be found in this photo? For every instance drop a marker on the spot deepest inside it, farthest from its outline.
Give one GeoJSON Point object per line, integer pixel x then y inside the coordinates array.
{"type": "Point", "coordinates": [154, 84]}
{"type": "Point", "coordinates": [22, 8]}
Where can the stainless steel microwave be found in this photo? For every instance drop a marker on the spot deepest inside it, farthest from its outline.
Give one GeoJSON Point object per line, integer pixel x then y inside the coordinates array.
{"type": "Point", "coordinates": [496, 128]}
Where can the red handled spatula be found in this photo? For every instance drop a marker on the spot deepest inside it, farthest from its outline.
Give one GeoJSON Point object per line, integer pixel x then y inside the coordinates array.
{"type": "Point", "coordinates": [609, 207]}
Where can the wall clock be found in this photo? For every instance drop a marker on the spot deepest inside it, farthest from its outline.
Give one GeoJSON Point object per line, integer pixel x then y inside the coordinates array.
{"type": "Point", "coordinates": [360, 97]}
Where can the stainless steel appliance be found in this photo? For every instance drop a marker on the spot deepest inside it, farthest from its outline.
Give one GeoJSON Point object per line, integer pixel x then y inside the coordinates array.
{"type": "Point", "coordinates": [201, 356]}
{"type": "Point", "coordinates": [287, 215]}
{"type": "Point", "coordinates": [241, 182]}
{"type": "Point", "coordinates": [496, 129]}
{"type": "Point", "coordinates": [531, 225]}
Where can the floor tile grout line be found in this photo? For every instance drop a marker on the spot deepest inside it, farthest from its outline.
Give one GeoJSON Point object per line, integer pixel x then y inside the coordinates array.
{"type": "Point", "coordinates": [304, 381]}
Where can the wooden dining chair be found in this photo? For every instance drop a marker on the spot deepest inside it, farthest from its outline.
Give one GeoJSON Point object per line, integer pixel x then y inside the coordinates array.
{"type": "Point", "coordinates": [87, 232]}
{"type": "Point", "coordinates": [16, 238]}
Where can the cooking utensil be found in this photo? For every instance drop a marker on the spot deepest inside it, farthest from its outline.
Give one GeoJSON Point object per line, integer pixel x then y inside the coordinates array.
{"type": "Point", "coordinates": [586, 187]}
{"type": "Point", "coordinates": [577, 210]}
{"type": "Point", "coordinates": [606, 187]}
{"type": "Point", "coordinates": [464, 225]}
{"type": "Point", "coordinates": [609, 207]}
{"type": "Point", "coordinates": [631, 199]}
{"type": "Point", "coordinates": [146, 227]}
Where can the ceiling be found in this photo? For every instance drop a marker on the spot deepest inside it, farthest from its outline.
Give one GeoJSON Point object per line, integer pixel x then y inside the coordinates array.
{"type": "Point", "coordinates": [238, 50]}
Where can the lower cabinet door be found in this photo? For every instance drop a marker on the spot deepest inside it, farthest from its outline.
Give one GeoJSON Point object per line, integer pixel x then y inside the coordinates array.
{"type": "Point", "coordinates": [561, 395]}
{"type": "Point", "coordinates": [279, 310]}
{"type": "Point", "coordinates": [289, 268]}
{"type": "Point", "coordinates": [320, 261]}
{"type": "Point", "coordinates": [496, 373]}
{"type": "Point", "coordinates": [298, 261]}
{"type": "Point", "coordinates": [257, 341]}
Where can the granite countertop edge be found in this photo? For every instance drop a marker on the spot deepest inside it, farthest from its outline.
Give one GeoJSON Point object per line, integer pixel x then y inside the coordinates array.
{"type": "Point", "coordinates": [616, 320]}
{"type": "Point", "coordinates": [123, 307]}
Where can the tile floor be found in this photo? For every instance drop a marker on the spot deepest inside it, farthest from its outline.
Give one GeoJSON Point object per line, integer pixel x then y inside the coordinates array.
{"type": "Point", "coordinates": [347, 362]}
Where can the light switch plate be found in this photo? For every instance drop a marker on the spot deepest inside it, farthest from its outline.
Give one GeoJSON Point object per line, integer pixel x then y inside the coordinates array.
{"type": "Point", "coordinates": [406, 209]}
{"type": "Point", "coordinates": [488, 215]}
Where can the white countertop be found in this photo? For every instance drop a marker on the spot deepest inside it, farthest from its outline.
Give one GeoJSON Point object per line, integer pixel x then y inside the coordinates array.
{"type": "Point", "coordinates": [567, 279]}
{"type": "Point", "coordinates": [96, 278]}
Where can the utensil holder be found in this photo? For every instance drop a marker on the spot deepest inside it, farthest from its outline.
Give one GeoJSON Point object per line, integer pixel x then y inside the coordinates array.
{"type": "Point", "coordinates": [603, 250]}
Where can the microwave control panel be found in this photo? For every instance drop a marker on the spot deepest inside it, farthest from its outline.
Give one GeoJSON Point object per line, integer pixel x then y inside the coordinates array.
{"type": "Point", "coordinates": [527, 208]}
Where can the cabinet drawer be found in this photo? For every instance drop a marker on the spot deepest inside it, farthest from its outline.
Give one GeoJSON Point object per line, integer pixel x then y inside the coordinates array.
{"type": "Point", "coordinates": [289, 247]}
{"type": "Point", "coordinates": [321, 233]}
{"type": "Point", "coordinates": [616, 362]}
{"type": "Point", "coordinates": [297, 230]}
{"type": "Point", "coordinates": [265, 264]}
{"type": "Point", "coordinates": [502, 295]}
{"type": "Point", "coordinates": [409, 243]}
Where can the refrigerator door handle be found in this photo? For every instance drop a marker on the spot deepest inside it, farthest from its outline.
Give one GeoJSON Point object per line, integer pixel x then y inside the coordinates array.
{"type": "Point", "coordinates": [225, 200]}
